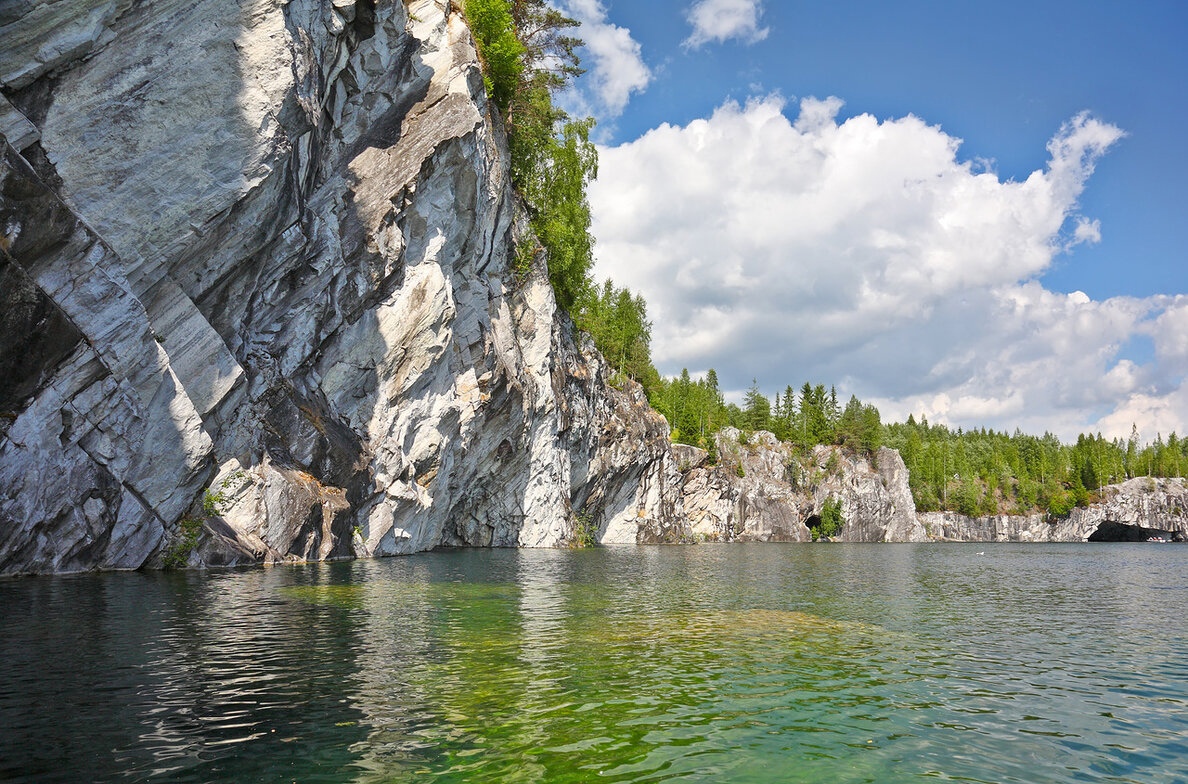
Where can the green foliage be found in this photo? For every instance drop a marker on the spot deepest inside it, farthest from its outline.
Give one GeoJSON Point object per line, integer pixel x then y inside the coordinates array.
{"type": "Point", "coordinates": [987, 472]}
{"type": "Point", "coordinates": [1061, 503]}
{"type": "Point", "coordinates": [555, 190]}
{"type": "Point", "coordinates": [831, 519]}
{"type": "Point", "coordinates": [793, 473]}
{"type": "Point", "coordinates": [925, 497]}
{"type": "Point", "coordinates": [756, 409]}
{"type": "Point", "coordinates": [814, 419]}
{"type": "Point", "coordinates": [618, 322]}
{"type": "Point", "coordinates": [525, 255]}
{"type": "Point", "coordinates": [859, 427]}
{"type": "Point", "coordinates": [500, 50]}
{"type": "Point", "coordinates": [712, 451]}
{"type": "Point", "coordinates": [694, 408]}
{"type": "Point", "coordinates": [212, 503]}
{"type": "Point", "coordinates": [526, 57]}
{"type": "Point", "coordinates": [524, 53]}
{"type": "Point", "coordinates": [178, 554]}
{"type": "Point", "coordinates": [585, 530]}
{"type": "Point", "coordinates": [966, 498]}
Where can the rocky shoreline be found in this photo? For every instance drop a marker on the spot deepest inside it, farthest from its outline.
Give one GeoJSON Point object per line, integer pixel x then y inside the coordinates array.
{"type": "Point", "coordinates": [762, 490]}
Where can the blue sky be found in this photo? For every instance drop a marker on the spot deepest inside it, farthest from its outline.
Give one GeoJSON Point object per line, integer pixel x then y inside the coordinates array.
{"type": "Point", "coordinates": [922, 274]}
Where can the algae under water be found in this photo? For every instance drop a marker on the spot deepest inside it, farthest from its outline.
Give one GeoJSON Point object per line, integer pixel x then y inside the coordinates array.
{"type": "Point", "coordinates": [747, 663]}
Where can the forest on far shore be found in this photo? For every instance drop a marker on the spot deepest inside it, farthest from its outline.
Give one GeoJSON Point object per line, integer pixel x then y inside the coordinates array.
{"type": "Point", "coordinates": [974, 472]}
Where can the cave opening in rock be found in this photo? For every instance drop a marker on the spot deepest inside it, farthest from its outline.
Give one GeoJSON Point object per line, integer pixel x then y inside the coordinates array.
{"type": "Point", "coordinates": [1113, 531]}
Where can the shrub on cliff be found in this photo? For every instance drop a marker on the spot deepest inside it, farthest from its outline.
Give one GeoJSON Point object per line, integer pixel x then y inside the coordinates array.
{"type": "Point", "coordinates": [831, 519]}
{"type": "Point", "coordinates": [618, 322]}
{"type": "Point", "coordinates": [526, 57]}
{"type": "Point", "coordinates": [500, 50]}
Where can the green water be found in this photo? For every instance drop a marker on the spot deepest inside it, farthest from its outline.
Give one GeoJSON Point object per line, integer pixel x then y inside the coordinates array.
{"type": "Point", "coordinates": [741, 663]}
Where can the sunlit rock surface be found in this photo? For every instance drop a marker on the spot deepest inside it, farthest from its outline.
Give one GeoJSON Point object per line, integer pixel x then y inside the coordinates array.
{"type": "Point", "coordinates": [254, 273]}
{"type": "Point", "coordinates": [763, 490]}
{"type": "Point", "coordinates": [1136, 510]}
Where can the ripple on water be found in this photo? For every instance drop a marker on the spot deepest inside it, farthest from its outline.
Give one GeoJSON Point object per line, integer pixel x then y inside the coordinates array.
{"type": "Point", "coordinates": [838, 664]}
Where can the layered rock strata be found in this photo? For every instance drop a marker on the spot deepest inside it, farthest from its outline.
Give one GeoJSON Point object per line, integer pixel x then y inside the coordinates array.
{"type": "Point", "coordinates": [257, 304]}
{"type": "Point", "coordinates": [255, 276]}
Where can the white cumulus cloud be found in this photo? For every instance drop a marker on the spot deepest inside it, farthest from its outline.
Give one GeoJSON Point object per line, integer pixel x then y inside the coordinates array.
{"type": "Point", "coordinates": [867, 253]}
{"type": "Point", "coordinates": [614, 62]}
{"type": "Point", "coordinates": [720, 20]}
{"type": "Point", "coordinates": [1086, 231]}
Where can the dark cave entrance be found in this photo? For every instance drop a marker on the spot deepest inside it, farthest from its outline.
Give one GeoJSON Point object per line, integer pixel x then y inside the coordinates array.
{"type": "Point", "coordinates": [1113, 531]}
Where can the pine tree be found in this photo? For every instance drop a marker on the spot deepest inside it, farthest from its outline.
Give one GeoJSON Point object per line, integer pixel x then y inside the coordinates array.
{"type": "Point", "coordinates": [756, 408]}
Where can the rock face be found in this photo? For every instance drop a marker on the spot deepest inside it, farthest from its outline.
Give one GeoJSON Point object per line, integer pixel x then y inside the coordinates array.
{"type": "Point", "coordinates": [1132, 511]}
{"type": "Point", "coordinates": [761, 490]}
{"type": "Point", "coordinates": [254, 273]}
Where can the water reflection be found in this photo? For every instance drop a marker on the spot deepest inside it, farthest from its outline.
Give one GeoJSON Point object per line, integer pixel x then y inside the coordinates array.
{"type": "Point", "coordinates": [235, 665]}
{"type": "Point", "coordinates": [712, 663]}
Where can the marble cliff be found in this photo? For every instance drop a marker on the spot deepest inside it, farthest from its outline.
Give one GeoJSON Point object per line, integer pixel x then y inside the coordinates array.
{"type": "Point", "coordinates": [255, 299]}
{"type": "Point", "coordinates": [1133, 511]}
{"type": "Point", "coordinates": [762, 490]}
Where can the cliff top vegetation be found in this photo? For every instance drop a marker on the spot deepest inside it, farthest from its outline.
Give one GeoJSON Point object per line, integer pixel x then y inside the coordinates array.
{"type": "Point", "coordinates": [975, 472]}
{"type": "Point", "coordinates": [527, 56]}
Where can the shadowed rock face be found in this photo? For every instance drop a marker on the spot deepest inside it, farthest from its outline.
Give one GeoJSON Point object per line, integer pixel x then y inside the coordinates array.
{"type": "Point", "coordinates": [99, 448]}
{"type": "Point", "coordinates": [253, 272]}
{"type": "Point", "coordinates": [1111, 531]}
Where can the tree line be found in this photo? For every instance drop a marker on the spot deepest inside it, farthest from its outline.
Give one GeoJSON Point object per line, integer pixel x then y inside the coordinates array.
{"type": "Point", "coordinates": [696, 409]}
{"type": "Point", "coordinates": [983, 472]}
{"type": "Point", "coordinates": [527, 55]}
{"type": "Point", "coordinates": [975, 472]}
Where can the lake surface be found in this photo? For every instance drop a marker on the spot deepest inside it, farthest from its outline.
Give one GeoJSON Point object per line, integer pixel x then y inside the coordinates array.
{"type": "Point", "coordinates": [723, 663]}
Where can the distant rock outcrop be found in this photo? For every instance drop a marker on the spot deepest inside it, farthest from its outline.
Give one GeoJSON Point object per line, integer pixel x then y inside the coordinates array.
{"type": "Point", "coordinates": [1135, 510]}
{"type": "Point", "coordinates": [763, 490]}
